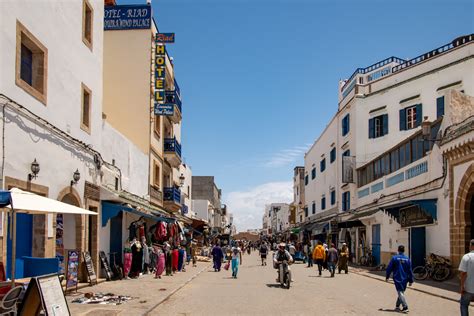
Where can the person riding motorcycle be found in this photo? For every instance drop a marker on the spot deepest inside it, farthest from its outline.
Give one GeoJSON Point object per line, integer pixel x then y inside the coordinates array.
{"type": "Point", "coordinates": [281, 255]}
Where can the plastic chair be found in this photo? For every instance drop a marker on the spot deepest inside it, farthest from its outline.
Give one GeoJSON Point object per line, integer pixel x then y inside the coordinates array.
{"type": "Point", "coordinates": [8, 303]}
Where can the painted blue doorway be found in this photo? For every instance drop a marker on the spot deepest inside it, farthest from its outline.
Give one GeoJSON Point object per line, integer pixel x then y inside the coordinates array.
{"type": "Point", "coordinates": [24, 241]}
{"type": "Point", "coordinates": [417, 246]}
{"type": "Point", "coordinates": [376, 244]}
{"type": "Point", "coordinates": [116, 244]}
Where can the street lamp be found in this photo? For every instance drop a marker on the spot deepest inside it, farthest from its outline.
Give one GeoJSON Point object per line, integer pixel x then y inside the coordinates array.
{"type": "Point", "coordinates": [35, 169]}
{"type": "Point", "coordinates": [426, 131]}
{"type": "Point", "coordinates": [75, 177]}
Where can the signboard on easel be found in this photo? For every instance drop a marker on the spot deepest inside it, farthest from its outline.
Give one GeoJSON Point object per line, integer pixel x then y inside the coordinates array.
{"type": "Point", "coordinates": [105, 265]}
{"type": "Point", "coordinates": [72, 269]}
{"type": "Point", "coordinates": [90, 268]}
{"type": "Point", "coordinates": [44, 294]}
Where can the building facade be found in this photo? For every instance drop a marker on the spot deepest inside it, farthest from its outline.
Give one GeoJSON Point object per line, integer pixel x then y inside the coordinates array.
{"type": "Point", "coordinates": [204, 188]}
{"type": "Point", "coordinates": [388, 177]}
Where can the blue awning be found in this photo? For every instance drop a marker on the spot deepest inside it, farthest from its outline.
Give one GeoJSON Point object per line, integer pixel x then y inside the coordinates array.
{"type": "Point", "coordinates": [110, 210]}
{"type": "Point", "coordinates": [5, 198]}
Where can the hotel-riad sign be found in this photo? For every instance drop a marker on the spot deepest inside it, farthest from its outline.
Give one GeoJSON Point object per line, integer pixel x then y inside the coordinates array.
{"type": "Point", "coordinates": [161, 107]}
{"type": "Point", "coordinates": [127, 17]}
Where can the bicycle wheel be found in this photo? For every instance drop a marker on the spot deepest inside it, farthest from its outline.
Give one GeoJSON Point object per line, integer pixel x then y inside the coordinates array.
{"type": "Point", "coordinates": [363, 261]}
{"type": "Point", "coordinates": [441, 273]}
{"type": "Point", "coordinates": [420, 273]}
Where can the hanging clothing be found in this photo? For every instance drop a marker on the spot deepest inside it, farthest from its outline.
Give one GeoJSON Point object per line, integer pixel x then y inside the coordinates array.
{"type": "Point", "coordinates": [180, 259]}
{"type": "Point", "coordinates": [168, 263]}
{"type": "Point", "coordinates": [127, 264]}
{"type": "Point", "coordinates": [160, 263]}
{"type": "Point", "coordinates": [137, 259]}
{"type": "Point", "coordinates": [174, 259]}
{"type": "Point", "coordinates": [141, 231]}
{"type": "Point", "coordinates": [132, 231]}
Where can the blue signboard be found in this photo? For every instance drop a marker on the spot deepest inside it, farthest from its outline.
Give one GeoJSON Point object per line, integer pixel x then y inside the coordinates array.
{"type": "Point", "coordinates": [127, 17]}
{"type": "Point", "coordinates": [166, 109]}
{"type": "Point", "coordinates": [164, 38]}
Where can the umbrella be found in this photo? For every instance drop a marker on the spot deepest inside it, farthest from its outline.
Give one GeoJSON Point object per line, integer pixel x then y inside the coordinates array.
{"type": "Point", "coordinates": [27, 202]}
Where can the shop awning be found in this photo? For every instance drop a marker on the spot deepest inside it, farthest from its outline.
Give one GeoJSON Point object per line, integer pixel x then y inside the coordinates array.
{"type": "Point", "coordinates": [319, 228]}
{"type": "Point", "coordinates": [27, 202]}
{"type": "Point", "coordinates": [110, 210]}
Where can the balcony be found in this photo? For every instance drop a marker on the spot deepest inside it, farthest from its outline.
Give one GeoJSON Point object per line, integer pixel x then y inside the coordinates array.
{"type": "Point", "coordinates": [173, 98]}
{"type": "Point", "coordinates": [172, 199]}
{"type": "Point", "coordinates": [156, 195]}
{"type": "Point", "coordinates": [172, 150]}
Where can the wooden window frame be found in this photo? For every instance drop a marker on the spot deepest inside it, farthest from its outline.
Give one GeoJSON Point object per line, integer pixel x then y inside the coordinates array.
{"type": "Point", "coordinates": [156, 121]}
{"type": "Point", "coordinates": [84, 127]}
{"type": "Point", "coordinates": [37, 48]}
{"type": "Point", "coordinates": [156, 168]}
{"type": "Point", "coordinates": [411, 117]}
{"type": "Point", "coordinates": [89, 43]}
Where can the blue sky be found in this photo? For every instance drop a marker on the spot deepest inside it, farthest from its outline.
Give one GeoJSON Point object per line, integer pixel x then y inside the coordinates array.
{"type": "Point", "coordinates": [259, 78]}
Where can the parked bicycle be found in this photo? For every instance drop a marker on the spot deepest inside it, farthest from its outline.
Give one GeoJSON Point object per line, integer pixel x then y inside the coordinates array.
{"type": "Point", "coordinates": [367, 259]}
{"type": "Point", "coordinates": [436, 267]}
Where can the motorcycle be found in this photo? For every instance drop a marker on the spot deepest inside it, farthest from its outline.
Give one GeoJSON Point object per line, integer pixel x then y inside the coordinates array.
{"type": "Point", "coordinates": [284, 274]}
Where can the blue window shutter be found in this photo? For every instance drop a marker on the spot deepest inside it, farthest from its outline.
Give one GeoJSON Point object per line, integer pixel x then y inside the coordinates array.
{"type": "Point", "coordinates": [403, 119]}
{"type": "Point", "coordinates": [385, 124]}
{"type": "Point", "coordinates": [348, 203]}
{"type": "Point", "coordinates": [344, 124]}
{"type": "Point", "coordinates": [371, 128]}
{"type": "Point", "coordinates": [439, 107]}
{"type": "Point", "coordinates": [348, 123]}
{"type": "Point", "coordinates": [419, 114]}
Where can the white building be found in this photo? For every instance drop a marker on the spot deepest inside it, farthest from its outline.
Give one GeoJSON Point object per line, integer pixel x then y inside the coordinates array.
{"type": "Point", "coordinates": [299, 201]}
{"type": "Point", "coordinates": [389, 182]}
{"type": "Point", "coordinates": [204, 211]}
{"type": "Point", "coordinates": [51, 95]}
{"type": "Point", "coordinates": [186, 190]}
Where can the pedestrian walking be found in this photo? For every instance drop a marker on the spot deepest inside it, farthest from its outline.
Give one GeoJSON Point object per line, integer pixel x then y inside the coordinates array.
{"type": "Point", "coordinates": [466, 268]}
{"type": "Point", "coordinates": [236, 253]}
{"type": "Point", "coordinates": [292, 250]}
{"type": "Point", "coordinates": [319, 255]}
{"type": "Point", "coordinates": [400, 266]}
{"type": "Point", "coordinates": [333, 258]}
{"type": "Point", "coordinates": [308, 253]}
{"type": "Point", "coordinates": [343, 259]}
{"type": "Point", "coordinates": [263, 253]}
{"type": "Point", "coordinates": [217, 256]}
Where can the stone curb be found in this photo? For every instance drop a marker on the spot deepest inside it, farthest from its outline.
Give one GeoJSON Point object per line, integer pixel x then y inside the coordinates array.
{"type": "Point", "coordinates": [411, 288]}
{"type": "Point", "coordinates": [175, 290]}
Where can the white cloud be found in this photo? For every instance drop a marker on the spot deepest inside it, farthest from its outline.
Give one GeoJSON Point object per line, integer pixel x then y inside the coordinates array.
{"type": "Point", "coordinates": [286, 156]}
{"type": "Point", "coordinates": [248, 206]}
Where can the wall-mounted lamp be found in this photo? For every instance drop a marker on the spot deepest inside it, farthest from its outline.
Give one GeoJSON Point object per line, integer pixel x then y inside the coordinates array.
{"type": "Point", "coordinates": [35, 169]}
{"type": "Point", "coordinates": [426, 131]}
{"type": "Point", "coordinates": [181, 180]}
{"type": "Point", "coordinates": [75, 177]}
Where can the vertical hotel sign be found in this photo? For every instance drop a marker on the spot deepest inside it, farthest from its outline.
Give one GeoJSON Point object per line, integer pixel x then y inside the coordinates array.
{"type": "Point", "coordinates": [161, 108]}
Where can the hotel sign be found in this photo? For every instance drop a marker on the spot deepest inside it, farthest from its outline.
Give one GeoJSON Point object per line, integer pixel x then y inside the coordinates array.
{"type": "Point", "coordinates": [164, 38]}
{"type": "Point", "coordinates": [166, 109]}
{"type": "Point", "coordinates": [127, 17]}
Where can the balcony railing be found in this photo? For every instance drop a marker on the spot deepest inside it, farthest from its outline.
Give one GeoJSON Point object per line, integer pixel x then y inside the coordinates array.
{"type": "Point", "coordinates": [173, 97]}
{"type": "Point", "coordinates": [172, 145]}
{"type": "Point", "coordinates": [172, 194]}
{"type": "Point", "coordinates": [156, 193]}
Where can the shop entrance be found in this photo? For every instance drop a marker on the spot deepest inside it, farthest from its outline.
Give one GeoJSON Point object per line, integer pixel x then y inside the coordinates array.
{"type": "Point", "coordinates": [417, 246]}
{"type": "Point", "coordinates": [66, 225]}
{"type": "Point", "coordinates": [24, 241]}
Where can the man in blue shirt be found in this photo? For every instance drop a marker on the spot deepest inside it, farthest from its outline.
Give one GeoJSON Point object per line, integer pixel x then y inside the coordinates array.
{"type": "Point", "coordinates": [400, 265]}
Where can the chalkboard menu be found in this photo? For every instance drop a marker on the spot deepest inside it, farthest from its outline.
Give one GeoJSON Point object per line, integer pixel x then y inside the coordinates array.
{"type": "Point", "coordinates": [72, 269]}
{"type": "Point", "coordinates": [90, 268]}
{"type": "Point", "coordinates": [105, 265]}
{"type": "Point", "coordinates": [45, 294]}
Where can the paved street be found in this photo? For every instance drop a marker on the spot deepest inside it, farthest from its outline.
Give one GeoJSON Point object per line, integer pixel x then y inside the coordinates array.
{"type": "Point", "coordinates": [255, 293]}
